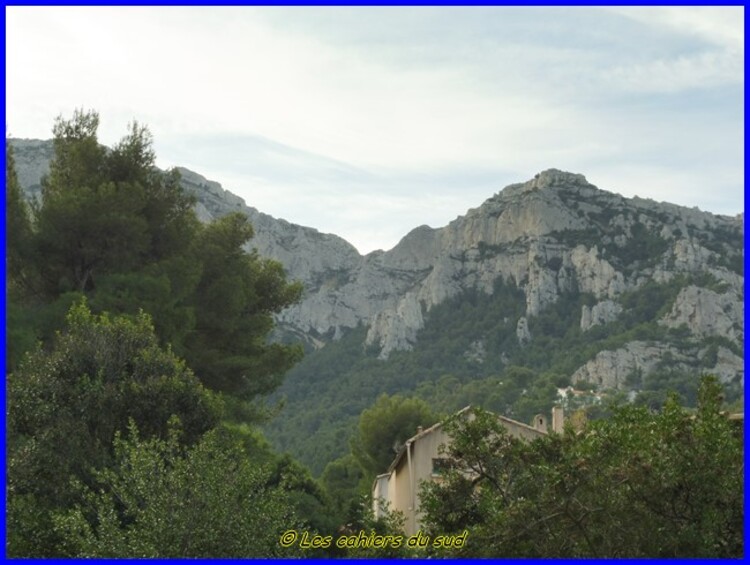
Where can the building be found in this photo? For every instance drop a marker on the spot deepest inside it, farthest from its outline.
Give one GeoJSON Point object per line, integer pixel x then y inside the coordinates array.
{"type": "Point", "coordinates": [420, 459]}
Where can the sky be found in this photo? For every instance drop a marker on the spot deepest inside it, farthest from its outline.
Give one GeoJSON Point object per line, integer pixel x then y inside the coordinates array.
{"type": "Point", "coordinates": [368, 122]}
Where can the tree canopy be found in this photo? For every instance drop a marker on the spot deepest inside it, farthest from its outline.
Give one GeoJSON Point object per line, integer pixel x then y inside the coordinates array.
{"type": "Point", "coordinates": [161, 499]}
{"type": "Point", "coordinates": [135, 333]}
{"type": "Point", "coordinates": [66, 405]}
{"type": "Point", "coordinates": [384, 428]}
{"type": "Point", "coordinates": [114, 228]}
{"type": "Point", "coordinates": [639, 484]}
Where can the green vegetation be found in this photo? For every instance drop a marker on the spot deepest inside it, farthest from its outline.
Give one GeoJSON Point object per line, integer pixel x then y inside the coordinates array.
{"type": "Point", "coordinates": [233, 304]}
{"type": "Point", "coordinates": [384, 428]}
{"type": "Point", "coordinates": [113, 228]}
{"type": "Point", "coordinates": [723, 242]}
{"type": "Point", "coordinates": [117, 446]}
{"type": "Point", "coordinates": [66, 405]}
{"type": "Point", "coordinates": [77, 488]}
{"type": "Point", "coordinates": [636, 485]}
{"type": "Point", "coordinates": [344, 481]}
{"type": "Point", "coordinates": [161, 499]}
{"type": "Point", "coordinates": [643, 246]}
{"type": "Point", "coordinates": [140, 367]}
{"type": "Point", "coordinates": [347, 379]}
{"type": "Point", "coordinates": [328, 390]}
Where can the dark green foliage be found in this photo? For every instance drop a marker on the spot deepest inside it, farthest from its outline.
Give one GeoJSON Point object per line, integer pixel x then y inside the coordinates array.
{"type": "Point", "coordinates": [651, 300]}
{"type": "Point", "coordinates": [66, 405]}
{"type": "Point", "coordinates": [306, 497]}
{"type": "Point", "coordinates": [342, 480]}
{"type": "Point", "coordinates": [735, 262]}
{"type": "Point", "coordinates": [115, 231]}
{"type": "Point", "coordinates": [555, 263]}
{"type": "Point", "coordinates": [390, 525]}
{"type": "Point", "coordinates": [384, 428]}
{"type": "Point", "coordinates": [588, 237]}
{"type": "Point", "coordinates": [163, 289]}
{"type": "Point", "coordinates": [234, 302]}
{"type": "Point", "coordinates": [79, 158]}
{"type": "Point", "coordinates": [75, 489]}
{"type": "Point", "coordinates": [518, 392]}
{"type": "Point", "coordinates": [20, 334]}
{"type": "Point", "coordinates": [723, 241]}
{"type": "Point", "coordinates": [113, 227]}
{"type": "Point", "coordinates": [37, 322]}
{"type": "Point", "coordinates": [20, 273]}
{"type": "Point", "coordinates": [636, 485]}
{"type": "Point", "coordinates": [643, 245]}
{"type": "Point", "coordinates": [163, 500]}
{"type": "Point", "coordinates": [658, 385]}
{"type": "Point", "coordinates": [328, 390]}
{"type": "Point", "coordinates": [88, 223]}
{"type": "Point", "coordinates": [17, 226]}
{"type": "Point", "coordinates": [330, 387]}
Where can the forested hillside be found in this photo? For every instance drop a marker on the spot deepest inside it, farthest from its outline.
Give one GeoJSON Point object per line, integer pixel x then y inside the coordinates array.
{"type": "Point", "coordinates": [137, 342]}
{"type": "Point", "coordinates": [469, 352]}
{"type": "Point", "coordinates": [158, 330]}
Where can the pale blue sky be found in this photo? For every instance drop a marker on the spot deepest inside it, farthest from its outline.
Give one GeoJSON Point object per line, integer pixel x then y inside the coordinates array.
{"type": "Point", "coordinates": [367, 122]}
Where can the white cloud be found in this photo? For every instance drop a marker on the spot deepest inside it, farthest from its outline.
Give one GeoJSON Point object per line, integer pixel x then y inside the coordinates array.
{"type": "Point", "coordinates": [392, 109]}
{"type": "Point", "coordinates": [720, 25]}
{"type": "Point", "coordinates": [190, 74]}
{"type": "Point", "coordinates": [718, 61]}
{"type": "Point", "coordinates": [706, 70]}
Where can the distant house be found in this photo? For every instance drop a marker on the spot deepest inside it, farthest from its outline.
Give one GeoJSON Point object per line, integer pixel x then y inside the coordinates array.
{"type": "Point", "coordinates": [420, 460]}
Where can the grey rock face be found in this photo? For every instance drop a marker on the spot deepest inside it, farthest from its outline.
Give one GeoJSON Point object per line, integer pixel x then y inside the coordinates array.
{"type": "Point", "coordinates": [394, 329]}
{"type": "Point", "coordinates": [596, 275]}
{"type": "Point", "coordinates": [522, 331]}
{"type": "Point", "coordinates": [611, 369]}
{"type": "Point", "coordinates": [32, 158]}
{"type": "Point", "coordinates": [599, 314]}
{"type": "Point", "coordinates": [728, 366]}
{"type": "Point", "coordinates": [708, 313]}
{"type": "Point", "coordinates": [548, 236]}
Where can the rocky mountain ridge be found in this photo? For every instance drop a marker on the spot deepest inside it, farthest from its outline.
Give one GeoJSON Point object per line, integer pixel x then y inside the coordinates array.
{"type": "Point", "coordinates": [551, 235]}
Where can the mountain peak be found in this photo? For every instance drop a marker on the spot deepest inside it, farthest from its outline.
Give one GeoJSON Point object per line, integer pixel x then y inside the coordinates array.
{"type": "Point", "coordinates": [554, 177]}
{"type": "Point", "coordinates": [549, 181]}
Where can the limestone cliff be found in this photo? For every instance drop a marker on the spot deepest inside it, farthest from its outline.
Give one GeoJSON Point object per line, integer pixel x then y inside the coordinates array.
{"type": "Point", "coordinates": [551, 235]}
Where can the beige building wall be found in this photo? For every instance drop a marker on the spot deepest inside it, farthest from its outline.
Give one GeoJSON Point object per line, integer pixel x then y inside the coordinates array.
{"type": "Point", "coordinates": [401, 492]}
{"type": "Point", "coordinates": [425, 450]}
{"type": "Point", "coordinates": [381, 501]}
{"type": "Point", "coordinates": [524, 431]}
{"type": "Point", "coordinates": [558, 419]}
{"type": "Point", "coordinates": [415, 464]}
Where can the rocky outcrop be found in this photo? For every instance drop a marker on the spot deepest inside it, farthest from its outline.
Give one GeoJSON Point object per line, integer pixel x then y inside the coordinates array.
{"type": "Point", "coordinates": [308, 255]}
{"type": "Point", "coordinates": [32, 158]}
{"type": "Point", "coordinates": [522, 331]}
{"type": "Point", "coordinates": [625, 367]}
{"type": "Point", "coordinates": [595, 275]}
{"type": "Point", "coordinates": [728, 367]}
{"type": "Point", "coordinates": [613, 369]}
{"type": "Point", "coordinates": [708, 313]}
{"type": "Point", "coordinates": [599, 314]}
{"type": "Point", "coordinates": [552, 235]}
{"type": "Point", "coordinates": [393, 329]}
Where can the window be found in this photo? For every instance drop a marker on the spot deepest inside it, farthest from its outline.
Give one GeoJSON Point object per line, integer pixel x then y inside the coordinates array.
{"type": "Point", "coordinates": [439, 466]}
